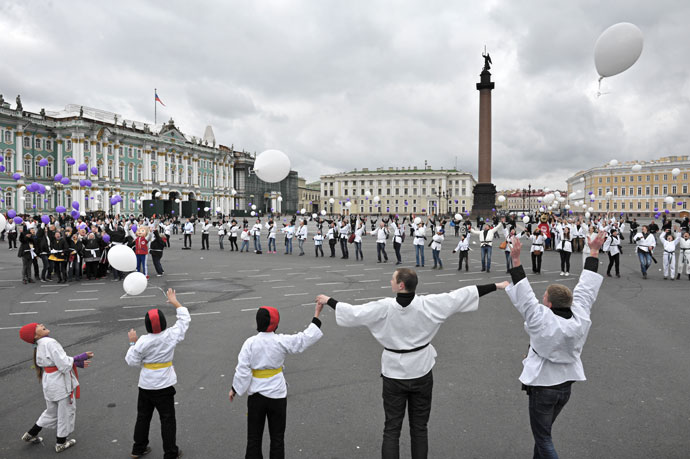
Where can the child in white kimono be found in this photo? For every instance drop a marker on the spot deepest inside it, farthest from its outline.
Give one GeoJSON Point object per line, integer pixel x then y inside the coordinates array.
{"type": "Point", "coordinates": [58, 375]}
{"type": "Point", "coordinates": [669, 243]}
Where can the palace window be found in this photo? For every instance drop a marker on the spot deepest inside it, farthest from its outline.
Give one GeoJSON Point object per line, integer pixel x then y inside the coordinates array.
{"type": "Point", "coordinates": [49, 168]}
{"type": "Point", "coordinates": [110, 169]}
{"type": "Point", "coordinates": [37, 167]}
{"type": "Point", "coordinates": [27, 142]}
{"type": "Point", "coordinates": [87, 146]}
{"type": "Point", "coordinates": [122, 170]}
{"type": "Point", "coordinates": [8, 136]}
{"type": "Point", "coordinates": [37, 144]}
{"type": "Point", "coordinates": [68, 145]}
{"type": "Point", "coordinates": [27, 166]}
{"type": "Point", "coordinates": [9, 194]}
{"type": "Point", "coordinates": [98, 148]}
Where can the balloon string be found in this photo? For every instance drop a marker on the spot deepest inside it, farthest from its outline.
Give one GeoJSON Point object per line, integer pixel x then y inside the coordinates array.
{"type": "Point", "coordinates": [162, 291]}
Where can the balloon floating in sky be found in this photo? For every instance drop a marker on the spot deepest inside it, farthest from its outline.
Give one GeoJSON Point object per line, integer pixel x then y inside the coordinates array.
{"type": "Point", "coordinates": [636, 168]}
{"type": "Point", "coordinates": [617, 49]}
{"type": "Point", "coordinates": [675, 172]}
{"type": "Point", "coordinates": [272, 166]}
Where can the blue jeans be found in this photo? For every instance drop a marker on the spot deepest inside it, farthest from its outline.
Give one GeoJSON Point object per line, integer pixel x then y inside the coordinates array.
{"type": "Point", "coordinates": [486, 258]}
{"type": "Point", "coordinates": [358, 250]}
{"type": "Point", "coordinates": [257, 243]}
{"type": "Point", "coordinates": [288, 245]}
{"type": "Point", "coordinates": [415, 395]}
{"type": "Point", "coordinates": [245, 246]}
{"type": "Point", "coordinates": [545, 403]}
{"type": "Point", "coordinates": [437, 258]}
{"type": "Point", "coordinates": [271, 243]}
{"type": "Point", "coordinates": [300, 244]}
{"type": "Point", "coordinates": [141, 264]}
{"type": "Point", "coordinates": [419, 251]}
{"type": "Point", "coordinates": [509, 261]}
{"type": "Point", "coordinates": [645, 260]}
{"type": "Point", "coordinates": [380, 248]}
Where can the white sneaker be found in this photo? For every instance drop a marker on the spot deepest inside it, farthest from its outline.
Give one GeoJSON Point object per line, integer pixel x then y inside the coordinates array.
{"type": "Point", "coordinates": [60, 447]}
{"type": "Point", "coordinates": [562, 273]}
{"type": "Point", "coordinates": [567, 274]}
{"type": "Point", "coordinates": [27, 437]}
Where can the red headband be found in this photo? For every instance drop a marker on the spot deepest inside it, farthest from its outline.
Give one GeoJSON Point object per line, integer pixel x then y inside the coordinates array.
{"type": "Point", "coordinates": [155, 321]}
{"type": "Point", "coordinates": [274, 318]}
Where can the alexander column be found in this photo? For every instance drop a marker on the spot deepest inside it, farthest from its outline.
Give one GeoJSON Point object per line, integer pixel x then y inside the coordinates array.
{"type": "Point", "coordinates": [484, 191]}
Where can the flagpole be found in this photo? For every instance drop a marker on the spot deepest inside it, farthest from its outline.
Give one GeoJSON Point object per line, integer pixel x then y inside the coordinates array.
{"type": "Point", "coordinates": [155, 108]}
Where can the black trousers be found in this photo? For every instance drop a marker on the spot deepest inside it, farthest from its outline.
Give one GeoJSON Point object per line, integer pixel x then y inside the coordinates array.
{"type": "Point", "coordinates": [464, 255]}
{"type": "Point", "coordinates": [156, 258]}
{"type": "Point", "coordinates": [614, 260]}
{"type": "Point", "coordinates": [34, 262]}
{"type": "Point", "coordinates": [12, 240]}
{"type": "Point", "coordinates": [162, 400]}
{"type": "Point", "coordinates": [536, 263]}
{"type": "Point", "coordinates": [187, 237]}
{"type": "Point", "coordinates": [204, 241]}
{"type": "Point", "coordinates": [343, 247]}
{"type": "Point", "coordinates": [61, 270]}
{"type": "Point", "coordinates": [47, 267]}
{"type": "Point", "coordinates": [565, 261]}
{"type": "Point", "coordinates": [259, 408]}
{"type": "Point", "coordinates": [396, 247]}
{"type": "Point", "coordinates": [317, 249]}
{"type": "Point", "coordinates": [233, 243]}
{"type": "Point", "coordinates": [331, 244]}
{"type": "Point", "coordinates": [92, 269]}
{"type": "Point", "coordinates": [415, 395]}
{"type": "Point", "coordinates": [26, 267]}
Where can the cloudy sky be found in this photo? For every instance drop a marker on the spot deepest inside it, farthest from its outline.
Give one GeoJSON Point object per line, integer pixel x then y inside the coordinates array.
{"type": "Point", "coordinates": [342, 85]}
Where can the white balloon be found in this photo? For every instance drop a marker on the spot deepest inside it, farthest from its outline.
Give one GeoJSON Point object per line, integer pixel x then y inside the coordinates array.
{"type": "Point", "coordinates": [233, 192]}
{"type": "Point", "coordinates": [417, 221]}
{"type": "Point", "coordinates": [348, 204]}
{"type": "Point", "coordinates": [608, 193]}
{"type": "Point", "coordinates": [280, 199]}
{"type": "Point", "coordinates": [572, 195]}
{"type": "Point", "coordinates": [177, 200]}
{"type": "Point", "coordinates": [218, 209]}
{"type": "Point", "coordinates": [561, 199]}
{"type": "Point", "coordinates": [541, 209]}
{"type": "Point", "coordinates": [323, 212]}
{"type": "Point", "coordinates": [458, 217]}
{"type": "Point", "coordinates": [314, 215]}
{"type": "Point", "coordinates": [253, 213]}
{"type": "Point", "coordinates": [98, 192]}
{"type": "Point", "coordinates": [122, 258]}
{"type": "Point", "coordinates": [525, 219]}
{"type": "Point", "coordinates": [303, 211]}
{"type": "Point", "coordinates": [367, 194]}
{"type": "Point", "coordinates": [272, 166]}
{"type": "Point", "coordinates": [377, 199]}
{"type": "Point", "coordinates": [501, 198]}
{"type": "Point", "coordinates": [637, 168]}
{"type": "Point", "coordinates": [675, 172]}
{"type": "Point", "coordinates": [331, 201]}
{"type": "Point", "coordinates": [546, 189]}
{"type": "Point", "coordinates": [557, 194]}
{"type": "Point", "coordinates": [613, 162]}
{"type": "Point", "coordinates": [135, 283]}
{"type": "Point", "coordinates": [590, 209]}
{"type": "Point", "coordinates": [158, 193]}
{"type": "Point", "coordinates": [567, 206]}
{"type": "Point", "coordinates": [254, 207]}
{"type": "Point", "coordinates": [48, 186]}
{"type": "Point", "coordinates": [82, 213]}
{"type": "Point", "coordinates": [587, 214]}
{"type": "Point", "coordinates": [582, 179]}
{"type": "Point", "coordinates": [206, 209]}
{"type": "Point", "coordinates": [617, 49]}
{"type": "Point", "coordinates": [668, 200]}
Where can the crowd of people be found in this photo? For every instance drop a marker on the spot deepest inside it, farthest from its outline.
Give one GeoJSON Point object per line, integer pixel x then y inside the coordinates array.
{"type": "Point", "coordinates": [72, 250]}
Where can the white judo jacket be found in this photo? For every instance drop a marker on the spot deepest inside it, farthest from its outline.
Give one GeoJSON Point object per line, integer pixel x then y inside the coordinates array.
{"type": "Point", "coordinates": [60, 384]}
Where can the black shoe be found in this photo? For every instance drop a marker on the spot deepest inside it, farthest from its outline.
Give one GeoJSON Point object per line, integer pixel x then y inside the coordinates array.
{"type": "Point", "coordinates": [618, 276]}
{"type": "Point", "coordinates": [416, 266]}
{"type": "Point", "coordinates": [378, 261]}
{"type": "Point", "coordinates": [398, 262]}
{"type": "Point", "coordinates": [608, 274]}
{"type": "Point", "coordinates": [678, 276]}
{"type": "Point", "coordinates": [488, 270]}
{"type": "Point", "coordinates": [146, 451]}
{"type": "Point", "coordinates": [644, 275]}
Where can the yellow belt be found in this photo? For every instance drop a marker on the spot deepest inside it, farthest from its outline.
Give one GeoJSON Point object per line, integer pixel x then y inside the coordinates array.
{"type": "Point", "coordinates": [157, 366]}
{"type": "Point", "coordinates": [266, 373]}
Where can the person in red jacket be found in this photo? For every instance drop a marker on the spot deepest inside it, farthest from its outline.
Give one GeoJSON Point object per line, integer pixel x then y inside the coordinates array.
{"type": "Point", "coordinates": [141, 249]}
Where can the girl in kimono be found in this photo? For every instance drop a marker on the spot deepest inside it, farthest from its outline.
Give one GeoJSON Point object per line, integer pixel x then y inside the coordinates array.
{"type": "Point", "coordinates": [58, 375]}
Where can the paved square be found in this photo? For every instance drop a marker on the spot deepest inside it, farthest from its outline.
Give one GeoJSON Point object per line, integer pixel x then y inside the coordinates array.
{"type": "Point", "coordinates": [634, 404]}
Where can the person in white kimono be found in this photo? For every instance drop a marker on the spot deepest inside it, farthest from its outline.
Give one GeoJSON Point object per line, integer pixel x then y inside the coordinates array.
{"type": "Point", "coordinates": [564, 247]}
{"type": "Point", "coordinates": [359, 231]}
{"type": "Point", "coordinates": [381, 234]}
{"type": "Point", "coordinates": [154, 353]}
{"type": "Point", "coordinates": [436, 245]}
{"type": "Point", "coordinates": [302, 234]}
{"type": "Point", "coordinates": [58, 375]}
{"type": "Point", "coordinates": [418, 243]}
{"type": "Point", "coordinates": [536, 250]}
{"type": "Point", "coordinates": [669, 244]}
{"type": "Point", "coordinates": [486, 238]}
{"type": "Point", "coordinates": [405, 326]}
{"type": "Point", "coordinates": [684, 255]}
{"type": "Point", "coordinates": [464, 248]}
{"type": "Point", "coordinates": [557, 329]}
{"type": "Point", "coordinates": [289, 232]}
{"type": "Point", "coordinates": [271, 227]}
{"type": "Point", "coordinates": [645, 246]}
{"type": "Point", "coordinates": [256, 236]}
{"type": "Point", "coordinates": [259, 373]}
{"type": "Point", "coordinates": [343, 234]}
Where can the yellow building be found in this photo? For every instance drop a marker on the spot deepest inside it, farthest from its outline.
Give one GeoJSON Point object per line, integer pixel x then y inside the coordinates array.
{"type": "Point", "coordinates": [636, 188]}
{"type": "Point", "coordinates": [309, 195]}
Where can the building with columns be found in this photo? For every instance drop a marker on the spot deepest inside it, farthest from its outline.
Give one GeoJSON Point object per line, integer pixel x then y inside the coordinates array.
{"type": "Point", "coordinates": [133, 161]}
{"type": "Point", "coordinates": [309, 196]}
{"type": "Point", "coordinates": [401, 190]}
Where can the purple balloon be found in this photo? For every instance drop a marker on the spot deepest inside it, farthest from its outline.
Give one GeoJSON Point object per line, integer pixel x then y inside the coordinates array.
{"type": "Point", "coordinates": [45, 200]}
{"type": "Point", "coordinates": [64, 181]}
{"type": "Point", "coordinates": [41, 188]}
{"type": "Point", "coordinates": [60, 209]}
{"type": "Point", "coordinates": [134, 228]}
{"type": "Point", "coordinates": [423, 210]}
{"type": "Point", "coordinates": [45, 219]}
{"type": "Point", "coordinates": [173, 211]}
{"type": "Point", "coordinates": [405, 202]}
{"type": "Point", "coordinates": [81, 225]}
{"type": "Point", "coordinates": [656, 209]}
{"type": "Point", "coordinates": [74, 214]}
{"type": "Point", "coordinates": [493, 209]}
{"type": "Point", "coordinates": [666, 211]}
{"type": "Point", "coordinates": [18, 220]}
{"type": "Point", "coordinates": [113, 201]}
{"type": "Point", "coordinates": [57, 177]}
{"type": "Point", "coordinates": [82, 182]}
{"type": "Point", "coordinates": [91, 198]}
{"type": "Point", "coordinates": [16, 176]}
{"type": "Point", "coordinates": [33, 206]}
{"type": "Point", "coordinates": [151, 205]}
{"type": "Point", "coordinates": [94, 170]}
{"type": "Point", "coordinates": [75, 205]}
{"type": "Point", "coordinates": [43, 162]}
{"type": "Point", "coordinates": [2, 168]}
{"type": "Point", "coordinates": [679, 203]}
{"type": "Point", "coordinates": [30, 187]}
{"type": "Point", "coordinates": [106, 238]}
{"type": "Point", "coordinates": [11, 213]}
{"type": "Point", "coordinates": [83, 167]}
{"type": "Point", "coordinates": [70, 161]}
{"type": "Point", "coordinates": [456, 201]}
{"type": "Point", "coordinates": [1, 158]}
{"type": "Point", "coordinates": [88, 183]}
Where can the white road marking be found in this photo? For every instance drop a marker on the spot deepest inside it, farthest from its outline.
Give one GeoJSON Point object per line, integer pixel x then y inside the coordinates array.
{"type": "Point", "coordinates": [311, 278]}
{"type": "Point", "coordinates": [54, 286]}
{"type": "Point", "coordinates": [92, 283]}
{"type": "Point", "coordinates": [9, 328]}
{"type": "Point", "coordinates": [203, 313]}
{"type": "Point", "coordinates": [10, 280]}
{"type": "Point", "coordinates": [82, 323]}
{"type": "Point", "coordinates": [281, 269]}
{"type": "Point", "coordinates": [443, 275]}
{"type": "Point", "coordinates": [296, 294]}
{"type": "Point", "coordinates": [139, 306]}
{"type": "Point", "coordinates": [127, 296]}
{"type": "Point", "coordinates": [185, 293]}
{"type": "Point", "coordinates": [371, 269]}
{"type": "Point", "coordinates": [210, 272]}
{"type": "Point", "coordinates": [273, 280]}
{"type": "Point", "coordinates": [432, 283]}
{"type": "Point", "coordinates": [350, 266]}
{"type": "Point", "coordinates": [337, 271]}
{"type": "Point", "coordinates": [178, 274]}
{"type": "Point", "coordinates": [249, 298]}
{"type": "Point", "coordinates": [354, 275]}
{"type": "Point", "coordinates": [80, 310]}
{"type": "Point", "coordinates": [233, 290]}
{"type": "Point", "coordinates": [29, 302]}
{"type": "Point", "coordinates": [86, 291]}
{"type": "Point", "coordinates": [467, 280]}
{"type": "Point", "coordinates": [21, 313]}
{"type": "Point", "coordinates": [318, 267]}
{"type": "Point", "coordinates": [372, 298]}
{"type": "Point", "coordinates": [45, 293]}
{"type": "Point", "coordinates": [196, 302]}
{"type": "Point", "coordinates": [246, 270]}
{"type": "Point", "coordinates": [83, 299]}
{"type": "Point", "coordinates": [350, 290]}
{"type": "Point", "coordinates": [125, 320]}
{"type": "Point", "coordinates": [372, 280]}
{"type": "Point", "coordinates": [211, 278]}
{"type": "Point", "coordinates": [284, 286]}
{"type": "Point", "coordinates": [249, 309]}
{"type": "Point", "coordinates": [259, 275]}
{"type": "Point", "coordinates": [330, 283]}
{"type": "Point", "coordinates": [7, 286]}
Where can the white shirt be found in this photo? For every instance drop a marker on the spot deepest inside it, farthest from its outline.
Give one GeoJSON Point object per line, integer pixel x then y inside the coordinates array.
{"type": "Point", "coordinates": [358, 233]}
{"type": "Point", "coordinates": [344, 230]}
{"type": "Point", "coordinates": [669, 246]}
{"type": "Point", "coordinates": [289, 231]}
{"type": "Point", "coordinates": [397, 233]}
{"type": "Point", "coordinates": [256, 229]}
{"type": "Point", "coordinates": [188, 228]}
{"type": "Point", "coordinates": [233, 230]}
{"type": "Point", "coordinates": [57, 385]}
{"type": "Point", "coordinates": [404, 328]}
{"type": "Point", "coordinates": [245, 235]}
{"type": "Point", "coordinates": [266, 351]}
{"type": "Point", "coordinates": [436, 241]}
{"type": "Point", "coordinates": [380, 234]}
{"type": "Point", "coordinates": [612, 245]}
{"type": "Point", "coordinates": [645, 243]}
{"type": "Point", "coordinates": [318, 239]}
{"type": "Point", "coordinates": [205, 227]}
{"type": "Point", "coordinates": [419, 235]}
{"type": "Point", "coordinates": [158, 348]}
{"type": "Point", "coordinates": [271, 231]}
{"type": "Point", "coordinates": [463, 245]}
{"type": "Point", "coordinates": [489, 238]}
{"type": "Point", "coordinates": [555, 342]}
{"type": "Point", "coordinates": [537, 242]}
{"type": "Point", "coordinates": [221, 229]}
{"type": "Point", "coordinates": [302, 232]}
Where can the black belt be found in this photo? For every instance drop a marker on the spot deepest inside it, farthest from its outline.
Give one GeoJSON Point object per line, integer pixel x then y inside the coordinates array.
{"type": "Point", "coordinates": [407, 351]}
